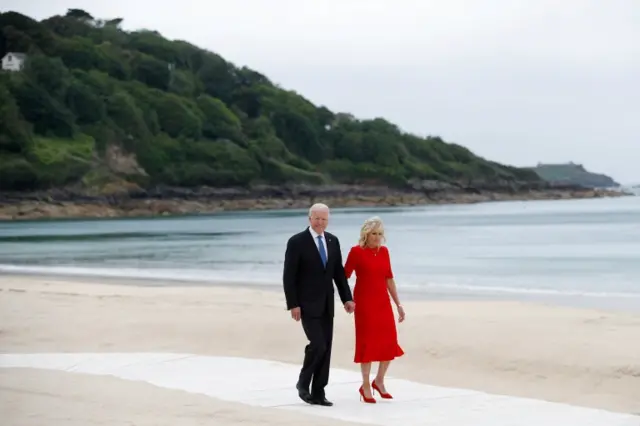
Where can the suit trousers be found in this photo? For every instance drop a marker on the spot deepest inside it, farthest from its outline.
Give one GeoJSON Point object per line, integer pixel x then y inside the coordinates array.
{"type": "Point", "coordinates": [317, 354]}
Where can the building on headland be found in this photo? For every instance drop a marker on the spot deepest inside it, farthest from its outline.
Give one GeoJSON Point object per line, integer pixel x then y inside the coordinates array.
{"type": "Point", "coordinates": [13, 61]}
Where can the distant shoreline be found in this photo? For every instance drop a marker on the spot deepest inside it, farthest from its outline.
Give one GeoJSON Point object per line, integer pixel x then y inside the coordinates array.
{"type": "Point", "coordinates": [58, 205]}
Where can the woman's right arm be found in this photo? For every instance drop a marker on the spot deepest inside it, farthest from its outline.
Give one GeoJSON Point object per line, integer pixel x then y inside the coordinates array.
{"type": "Point", "coordinates": [351, 263]}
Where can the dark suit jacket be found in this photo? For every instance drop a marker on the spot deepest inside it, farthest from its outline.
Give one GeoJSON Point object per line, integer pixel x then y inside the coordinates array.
{"type": "Point", "coordinates": [307, 283]}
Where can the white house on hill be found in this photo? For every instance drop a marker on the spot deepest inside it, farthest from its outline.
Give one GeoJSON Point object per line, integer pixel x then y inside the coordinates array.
{"type": "Point", "coordinates": [13, 61]}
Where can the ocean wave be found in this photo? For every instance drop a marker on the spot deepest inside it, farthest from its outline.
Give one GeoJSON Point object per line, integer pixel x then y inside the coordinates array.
{"type": "Point", "coordinates": [271, 278]}
{"type": "Point", "coordinates": [487, 289]}
{"type": "Point", "coordinates": [35, 238]}
{"type": "Point", "coordinates": [185, 275]}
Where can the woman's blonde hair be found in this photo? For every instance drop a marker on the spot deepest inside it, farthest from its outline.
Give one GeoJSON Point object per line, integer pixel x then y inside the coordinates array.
{"type": "Point", "coordinates": [369, 226]}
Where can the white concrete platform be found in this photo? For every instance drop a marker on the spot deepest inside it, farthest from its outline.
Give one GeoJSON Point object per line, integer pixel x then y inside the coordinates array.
{"type": "Point", "coordinates": [272, 384]}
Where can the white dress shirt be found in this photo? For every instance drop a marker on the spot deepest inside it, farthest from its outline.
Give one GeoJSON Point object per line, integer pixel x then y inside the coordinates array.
{"type": "Point", "coordinates": [315, 240]}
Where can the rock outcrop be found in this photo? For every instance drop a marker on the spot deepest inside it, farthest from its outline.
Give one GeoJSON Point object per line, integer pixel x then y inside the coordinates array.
{"type": "Point", "coordinates": [132, 200]}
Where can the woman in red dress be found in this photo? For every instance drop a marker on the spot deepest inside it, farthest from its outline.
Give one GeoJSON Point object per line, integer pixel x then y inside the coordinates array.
{"type": "Point", "coordinates": [376, 335]}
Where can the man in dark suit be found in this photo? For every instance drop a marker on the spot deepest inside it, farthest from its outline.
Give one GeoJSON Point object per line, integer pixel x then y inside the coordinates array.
{"type": "Point", "coordinates": [312, 262]}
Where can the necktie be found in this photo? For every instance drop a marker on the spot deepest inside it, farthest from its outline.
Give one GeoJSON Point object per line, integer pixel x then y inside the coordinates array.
{"type": "Point", "coordinates": [323, 254]}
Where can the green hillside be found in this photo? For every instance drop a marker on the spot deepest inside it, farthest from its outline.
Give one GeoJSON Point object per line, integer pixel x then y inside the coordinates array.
{"type": "Point", "coordinates": [96, 106]}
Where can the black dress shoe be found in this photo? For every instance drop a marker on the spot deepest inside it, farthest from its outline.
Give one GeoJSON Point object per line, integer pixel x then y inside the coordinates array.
{"type": "Point", "coordinates": [322, 401]}
{"type": "Point", "coordinates": [304, 394]}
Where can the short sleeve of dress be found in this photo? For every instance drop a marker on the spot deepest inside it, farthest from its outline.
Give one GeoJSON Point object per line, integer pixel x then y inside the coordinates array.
{"type": "Point", "coordinates": [352, 262]}
{"type": "Point", "coordinates": [389, 273]}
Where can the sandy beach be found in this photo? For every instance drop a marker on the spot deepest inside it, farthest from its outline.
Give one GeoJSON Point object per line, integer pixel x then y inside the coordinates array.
{"type": "Point", "coordinates": [577, 356]}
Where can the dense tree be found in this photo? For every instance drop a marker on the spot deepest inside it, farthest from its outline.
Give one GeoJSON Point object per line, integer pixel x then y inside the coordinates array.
{"type": "Point", "coordinates": [79, 14]}
{"type": "Point", "coordinates": [188, 117]}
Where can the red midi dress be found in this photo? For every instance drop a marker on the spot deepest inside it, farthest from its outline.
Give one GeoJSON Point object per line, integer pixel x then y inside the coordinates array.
{"type": "Point", "coordinates": [376, 335]}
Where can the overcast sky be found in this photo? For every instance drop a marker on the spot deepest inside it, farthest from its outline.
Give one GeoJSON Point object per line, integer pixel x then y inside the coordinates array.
{"type": "Point", "coordinates": [515, 81]}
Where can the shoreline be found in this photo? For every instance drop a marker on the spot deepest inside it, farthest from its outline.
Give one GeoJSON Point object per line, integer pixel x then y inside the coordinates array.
{"type": "Point", "coordinates": [619, 304]}
{"type": "Point", "coordinates": [174, 201]}
{"type": "Point", "coordinates": [583, 357]}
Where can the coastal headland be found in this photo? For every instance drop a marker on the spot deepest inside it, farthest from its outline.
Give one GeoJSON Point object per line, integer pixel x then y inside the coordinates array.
{"type": "Point", "coordinates": [98, 121]}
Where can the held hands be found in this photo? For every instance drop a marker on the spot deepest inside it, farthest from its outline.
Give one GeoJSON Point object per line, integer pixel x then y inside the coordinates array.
{"type": "Point", "coordinates": [350, 307]}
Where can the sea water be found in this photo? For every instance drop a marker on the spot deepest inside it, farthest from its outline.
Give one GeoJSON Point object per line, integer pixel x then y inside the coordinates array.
{"type": "Point", "coordinates": [583, 252]}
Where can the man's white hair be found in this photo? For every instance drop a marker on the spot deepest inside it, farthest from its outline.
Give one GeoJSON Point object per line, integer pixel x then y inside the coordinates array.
{"type": "Point", "coordinates": [318, 207]}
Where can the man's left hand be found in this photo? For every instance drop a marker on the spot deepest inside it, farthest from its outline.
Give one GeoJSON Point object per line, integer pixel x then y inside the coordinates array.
{"type": "Point", "coordinates": [350, 307]}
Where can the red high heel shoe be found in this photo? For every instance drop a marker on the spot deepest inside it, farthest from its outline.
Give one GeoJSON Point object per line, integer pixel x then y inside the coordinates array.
{"type": "Point", "coordinates": [382, 394]}
{"type": "Point", "coordinates": [367, 400]}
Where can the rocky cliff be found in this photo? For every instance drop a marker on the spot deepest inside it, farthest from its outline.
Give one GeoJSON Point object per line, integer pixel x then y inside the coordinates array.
{"type": "Point", "coordinates": [136, 201]}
